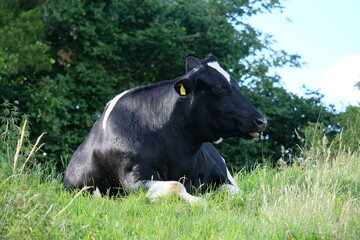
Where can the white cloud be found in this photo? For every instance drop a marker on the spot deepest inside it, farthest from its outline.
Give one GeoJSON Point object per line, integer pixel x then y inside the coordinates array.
{"type": "Point", "coordinates": [338, 82]}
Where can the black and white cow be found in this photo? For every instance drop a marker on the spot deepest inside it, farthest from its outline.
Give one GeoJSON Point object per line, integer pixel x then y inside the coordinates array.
{"type": "Point", "coordinates": [158, 136]}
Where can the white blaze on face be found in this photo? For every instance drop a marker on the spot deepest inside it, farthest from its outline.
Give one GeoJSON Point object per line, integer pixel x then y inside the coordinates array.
{"type": "Point", "coordinates": [216, 66]}
{"type": "Point", "coordinates": [110, 107]}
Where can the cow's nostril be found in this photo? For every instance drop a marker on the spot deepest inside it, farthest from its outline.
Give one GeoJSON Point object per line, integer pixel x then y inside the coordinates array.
{"type": "Point", "coordinates": [261, 123]}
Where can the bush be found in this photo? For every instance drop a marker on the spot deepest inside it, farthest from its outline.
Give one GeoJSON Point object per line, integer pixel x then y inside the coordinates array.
{"type": "Point", "coordinates": [17, 152]}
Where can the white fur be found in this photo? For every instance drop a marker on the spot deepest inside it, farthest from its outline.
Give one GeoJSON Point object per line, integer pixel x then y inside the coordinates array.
{"type": "Point", "coordinates": [235, 188]}
{"type": "Point", "coordinates": [97, 193]}
{"type": "Point", "coordinates": [219, 141]}
{"type": "Point", "coordinates": [216, 66]}
{"type": "Point", "coordinates": [110, 106]}
{"type": "Point", "coordinates": [162, 188]}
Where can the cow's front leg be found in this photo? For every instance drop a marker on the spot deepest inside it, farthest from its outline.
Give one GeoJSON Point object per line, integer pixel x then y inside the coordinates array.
{"type": "Point", "coordinates": [156, 189]}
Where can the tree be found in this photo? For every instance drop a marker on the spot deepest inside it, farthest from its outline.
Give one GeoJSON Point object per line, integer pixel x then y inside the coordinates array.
{"type": "Point", "coordinates": [100, 48]}
{"type": "Point", "coordinates": [23, 48]}
{"type": "Point", "coordinates": [348, 137]}
{"type": "Point", "coordinates": [357, 85]}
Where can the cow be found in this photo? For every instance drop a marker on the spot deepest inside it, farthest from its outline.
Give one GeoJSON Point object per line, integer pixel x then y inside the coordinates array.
{"type": "Point", "coordinates": [159, 137]}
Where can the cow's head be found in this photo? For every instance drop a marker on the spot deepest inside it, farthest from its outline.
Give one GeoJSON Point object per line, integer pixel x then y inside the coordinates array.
{"type": "Point", "coordinates": [217, 107]}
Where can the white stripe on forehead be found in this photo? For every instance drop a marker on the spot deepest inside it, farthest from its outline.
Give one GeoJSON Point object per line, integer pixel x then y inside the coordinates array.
{"type": "Point", "coordinates": [216, 66]}
{"type": "Point", "coordinates": [110, 107]}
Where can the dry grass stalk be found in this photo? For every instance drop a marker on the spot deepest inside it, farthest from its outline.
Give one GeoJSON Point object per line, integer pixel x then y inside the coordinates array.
{"type": "Point", "coordinates": [344, 212]}
{"type": "Point", "coordinates": [31, 152]}
{"type": "Point", "coordinates": [19, 144]}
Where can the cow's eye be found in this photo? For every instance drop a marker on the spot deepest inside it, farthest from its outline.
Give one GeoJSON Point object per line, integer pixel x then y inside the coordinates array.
{"type": "Point", "coordinates": [222, 90]}
{"type": "Point", "coordinates": [225, 89]}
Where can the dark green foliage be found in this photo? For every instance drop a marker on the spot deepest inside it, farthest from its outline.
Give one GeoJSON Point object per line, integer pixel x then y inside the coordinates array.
{"type": "Point", "coordinates": [92, 50]}
{"type": "Point", "coordinates": [349, 137]}
{"type": "Point", "coordinates": [14, 141]}
{"type": "Point", "coordinates": [23, 48]}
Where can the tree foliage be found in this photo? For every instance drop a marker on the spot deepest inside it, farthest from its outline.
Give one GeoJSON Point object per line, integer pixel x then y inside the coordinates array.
{"type": "Point", "coordinates": [23, 48]}
{"type": "Point", "coordinates": [350, 132]}
{"type": "Point", "coordinates": [80, 54]}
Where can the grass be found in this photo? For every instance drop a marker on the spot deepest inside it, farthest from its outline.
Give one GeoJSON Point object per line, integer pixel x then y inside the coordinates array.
{"type": "Point", "coordinates": [319, 202]}
{"type": "Point", "coordinates": [317, 198]}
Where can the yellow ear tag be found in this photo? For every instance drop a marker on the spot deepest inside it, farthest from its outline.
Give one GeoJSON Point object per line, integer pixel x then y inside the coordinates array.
{"type": "Point", "coordinates": [182, 89]}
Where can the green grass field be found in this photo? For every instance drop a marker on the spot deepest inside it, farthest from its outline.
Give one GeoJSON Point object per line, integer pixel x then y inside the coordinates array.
{"type": "Point", "coordinates": [318, 198]}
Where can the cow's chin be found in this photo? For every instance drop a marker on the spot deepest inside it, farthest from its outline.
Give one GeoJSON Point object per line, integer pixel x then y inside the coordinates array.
{"type": "Point", "coordinates": [250, 135]}
{"type": "Point", "coordinates": [254, 134]}
{"type": "Point", "coordinates": [244, 135]}
{"type": "Point", "coordinates": [247, 135]}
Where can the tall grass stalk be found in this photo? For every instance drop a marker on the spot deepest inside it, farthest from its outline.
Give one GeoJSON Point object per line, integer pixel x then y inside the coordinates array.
{"type": "Point", "coordinates": [19, 144]}
{"type": "Point", "coordinates": [34, 149]}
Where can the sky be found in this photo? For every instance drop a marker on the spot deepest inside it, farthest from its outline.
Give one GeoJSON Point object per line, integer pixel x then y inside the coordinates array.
{"type": "Point", "coordinates": [326, 34]}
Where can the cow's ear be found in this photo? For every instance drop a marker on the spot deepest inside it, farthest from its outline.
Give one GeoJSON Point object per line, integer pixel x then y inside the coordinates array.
{"type": "Point", "coordinates": [191, 63]}
{"type": "Point", "coordinates": [183, 87]}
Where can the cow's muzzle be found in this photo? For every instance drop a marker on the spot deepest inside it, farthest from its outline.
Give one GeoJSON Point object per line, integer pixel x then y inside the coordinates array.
{"type": "Point", "coordinates": [260, 123]}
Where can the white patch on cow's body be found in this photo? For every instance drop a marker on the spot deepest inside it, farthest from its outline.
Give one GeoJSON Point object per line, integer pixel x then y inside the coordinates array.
{"type": "Point", "coordinates": [110, 106]}
{"type": "Point", "coordinates": [216, 66]}
{"type": "Point", "coordinates": [235, 189]}
{"type": "Point", "coordinates": [161, 188]}
{"type": "Point", "coordinates": [219, 141]}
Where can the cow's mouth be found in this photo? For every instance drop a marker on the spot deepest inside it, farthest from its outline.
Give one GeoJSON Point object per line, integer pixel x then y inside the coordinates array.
{"type": "Point", "coordinates": [250, 135]}
{"type": "Point", "coordinates": [255, 134]}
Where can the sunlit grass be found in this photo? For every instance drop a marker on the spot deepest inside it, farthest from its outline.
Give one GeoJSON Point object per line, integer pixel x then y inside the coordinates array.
{"type": "Point", "coordinates": [295, 202]}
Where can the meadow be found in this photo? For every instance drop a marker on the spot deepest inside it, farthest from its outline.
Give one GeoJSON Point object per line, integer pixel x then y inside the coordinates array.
{"type": "Point", "coordinates": [315, 197]}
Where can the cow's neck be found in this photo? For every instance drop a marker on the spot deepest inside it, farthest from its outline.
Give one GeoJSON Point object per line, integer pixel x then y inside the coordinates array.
{"type": "Point", "coordinates": [164, 114]}
{"type": "Point", "coordinates": [152, 106]}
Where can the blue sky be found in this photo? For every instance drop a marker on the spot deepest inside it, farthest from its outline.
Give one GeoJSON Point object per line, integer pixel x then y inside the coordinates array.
{"type": "Point", "coordinates": [326, 33]}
